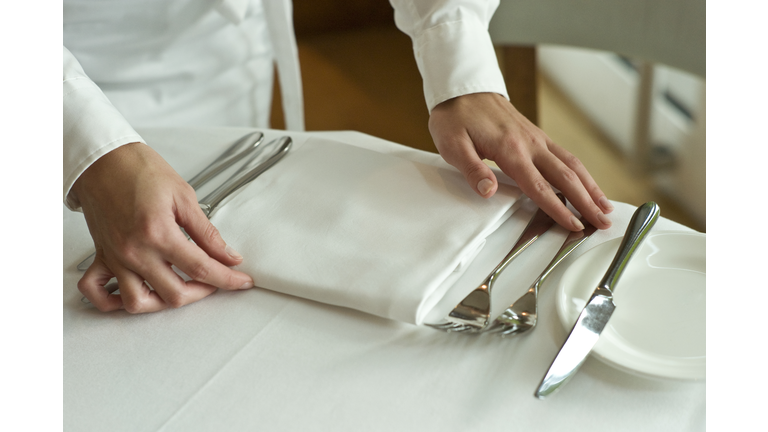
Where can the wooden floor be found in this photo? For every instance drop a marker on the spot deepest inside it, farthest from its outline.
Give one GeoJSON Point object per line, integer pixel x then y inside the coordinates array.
{"type": "Point", "coordinates": [367, 80]}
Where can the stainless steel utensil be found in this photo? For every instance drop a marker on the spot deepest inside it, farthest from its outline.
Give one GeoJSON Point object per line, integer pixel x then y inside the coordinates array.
{"type": "Point", "coordinates": [247, 173]}
{"type": "Point", "coordinates": [252, 168]}
{"type": "Point", "coordinates": [599, 308]}
{"type": "Point", "coordinates": [234, 153]}
{"type": "Point", "coordinates": [472, 314]}
{"type": "Point", "coordinates": [240, 149]}
{"type": "Point", "coordinates": [522, 315]}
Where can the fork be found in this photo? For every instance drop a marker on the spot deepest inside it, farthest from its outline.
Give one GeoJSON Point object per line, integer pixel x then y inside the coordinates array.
{"type": "Point", "coordinates": [522, 315]}
{"type": "Point", "coordinates": [472, 314]}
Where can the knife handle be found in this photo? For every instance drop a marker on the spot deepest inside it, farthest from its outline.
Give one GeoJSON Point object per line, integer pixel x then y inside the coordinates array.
{"type": "Point", "coordinates": [247, 173]}
{"type": "Point", "coordinates": [228, 158]}
{"type": "Point", "coordinates": [642, 221]}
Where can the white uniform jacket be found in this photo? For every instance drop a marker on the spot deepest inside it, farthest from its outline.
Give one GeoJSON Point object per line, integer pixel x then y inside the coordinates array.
{"type": "Point", "coordinates": [211, 62]}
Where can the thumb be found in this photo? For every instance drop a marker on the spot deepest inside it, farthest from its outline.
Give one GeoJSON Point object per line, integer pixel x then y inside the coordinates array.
{"type": "Point", "coordinates": [462, 155]}
{"type": "Point", "coordinates": [206, 236]}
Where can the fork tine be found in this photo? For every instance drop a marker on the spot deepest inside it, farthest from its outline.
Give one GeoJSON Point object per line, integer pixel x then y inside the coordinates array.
{"type": "Point", "coordinates": [514, 330]}
{"type": "Point", "coordinates": [494, 327]}
{"type": "Point", "coordinates": [522, 313]}
{"type": "Point", "coordinates": [445, 326]}
{"type": "Point", "coordinates": [465, 329]}
{"type": "Point", "coordinates": [506, 321]}
{"type": "Point", "coordinates": [451, 327]}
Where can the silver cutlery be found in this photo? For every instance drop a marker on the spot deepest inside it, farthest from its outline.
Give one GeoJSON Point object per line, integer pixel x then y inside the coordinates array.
{"type": "Point", "coordinates": [234, 153]}
{"type": "Point", "coordinates": [472, 314]}
{"type": "Point", "coordinates": [599, 308]}
{"type": "Point", "coordinates": [247, 173]}
{"type": "Point", "coordinates": [241, 148]}
{"type": "Point", "coordinates": [522, 315]}
{"type": "Point", "coordinates": [252, 168]}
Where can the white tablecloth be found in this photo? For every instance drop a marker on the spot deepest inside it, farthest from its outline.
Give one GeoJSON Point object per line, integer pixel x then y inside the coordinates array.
{"type": "Point", "coordinates": [260, 360]}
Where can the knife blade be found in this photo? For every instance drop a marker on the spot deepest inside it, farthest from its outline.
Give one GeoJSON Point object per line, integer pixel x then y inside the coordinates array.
{"type": "Point", "coordinates": [600, 307]}
{"type": "Point", "coordinates": [241, 148]}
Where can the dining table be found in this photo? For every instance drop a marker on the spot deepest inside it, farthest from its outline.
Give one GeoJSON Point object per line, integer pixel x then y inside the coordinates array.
{"type": "Point", "coordinates": [260, 359]}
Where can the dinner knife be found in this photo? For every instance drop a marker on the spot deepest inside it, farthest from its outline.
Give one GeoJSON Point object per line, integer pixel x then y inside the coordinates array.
{"type": "Point", "coordinates": [241, 148]}
{"type": "Point", "coordinates": [599, 308]}
{"type": "Point", "coordinates": [235, 152]}
{"type": "Point", "coordinates": [252, 168]}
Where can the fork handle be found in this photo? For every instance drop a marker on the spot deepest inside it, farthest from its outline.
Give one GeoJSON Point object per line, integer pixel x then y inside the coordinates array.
{"type": "Point", "coordinates": [539, 224]}
{"type": "Point", "coordinates": [574, 240]}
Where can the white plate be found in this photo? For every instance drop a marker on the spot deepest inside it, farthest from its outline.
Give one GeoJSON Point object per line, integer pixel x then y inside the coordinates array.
{"type": "Point", "coordinates": [658, 329]}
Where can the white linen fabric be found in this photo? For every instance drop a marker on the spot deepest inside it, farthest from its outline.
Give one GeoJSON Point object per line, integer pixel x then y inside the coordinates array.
{"type": "Point", "coordinates": [353, 227]}
{"type": "Point", "coordinates": [210, 63]}
{"type": "Point", "coordinates": [261, 360]}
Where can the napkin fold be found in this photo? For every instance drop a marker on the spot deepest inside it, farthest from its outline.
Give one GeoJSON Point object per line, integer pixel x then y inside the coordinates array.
{"type": "Point", "coordinates": [358, 228]}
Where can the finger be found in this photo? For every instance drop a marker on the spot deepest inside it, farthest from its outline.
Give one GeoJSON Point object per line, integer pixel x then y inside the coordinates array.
{"type": "Point", "coordinates": [196, 264]}
{"type": "Point", "coordinates": [569, 183]}
{"type": "Point", "coordinates": [173, 290]}
{"type": "Point", "coordinates": [137, 297]}
{"type": "Point", "coordinates": [93, 286]}
{"type": "Point", "coordinates": [586, 179]}
{"type": "Point", "coordinates": [461, 153]}
{"type": "Point", "coordinates": [533, 185]}
{"type": "Point", "coordinates": [206, 236]}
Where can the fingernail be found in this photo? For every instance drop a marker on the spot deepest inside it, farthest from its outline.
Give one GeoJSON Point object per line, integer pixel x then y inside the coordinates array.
{"type": "Point", "coordinates": [247, 285]}
{"type": "Point", "coordinates": [576, 223]}
{"type": "Point", "coordinates": [233, 253]}
{"type": "Point", "coordinates": [605, 204]}
{"type": "Point", "coordinates": [484, 186]}
{"type": "Point", "coordinates": [604, 219]}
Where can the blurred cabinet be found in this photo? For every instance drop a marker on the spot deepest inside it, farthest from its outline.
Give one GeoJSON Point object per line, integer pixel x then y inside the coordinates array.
{"type": "Point", "coordinates": [607, 88]}
{"type": "Point", "coordinates": [667, 131]}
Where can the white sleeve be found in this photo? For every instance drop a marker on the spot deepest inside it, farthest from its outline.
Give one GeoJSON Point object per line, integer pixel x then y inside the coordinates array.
{"type": "Point", "coordinates": [92, 125]}
{"type": "Point", "coordinates": [452, 46]}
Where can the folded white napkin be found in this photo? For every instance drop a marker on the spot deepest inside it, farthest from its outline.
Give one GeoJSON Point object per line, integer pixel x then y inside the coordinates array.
{"type": "Point", "coordinates": [358, 228]}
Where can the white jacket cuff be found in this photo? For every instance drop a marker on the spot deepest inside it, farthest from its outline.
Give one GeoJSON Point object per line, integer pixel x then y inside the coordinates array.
{"type": "Point", "coordinates": [457, 58]}
{"type": "Point", "coordinates": [92, 125]}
